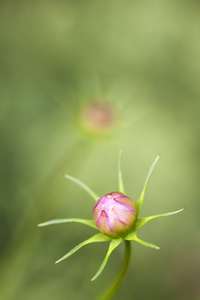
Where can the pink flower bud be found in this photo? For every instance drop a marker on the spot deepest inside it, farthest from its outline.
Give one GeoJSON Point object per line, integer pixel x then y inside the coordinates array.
{"type": "Point", "coordinates": [114, 214]}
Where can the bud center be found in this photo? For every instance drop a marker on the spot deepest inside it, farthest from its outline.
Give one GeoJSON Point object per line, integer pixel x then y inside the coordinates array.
{"type": "Point", "coordinates": [114, 214]}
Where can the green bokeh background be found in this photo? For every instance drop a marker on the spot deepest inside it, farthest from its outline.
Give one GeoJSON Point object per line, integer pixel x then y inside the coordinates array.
{"type": "Point", "coordinates": [143, 59]}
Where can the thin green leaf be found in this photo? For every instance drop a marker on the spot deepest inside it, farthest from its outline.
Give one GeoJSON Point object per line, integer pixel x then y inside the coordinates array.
{"type": "Point", "coordinates": [120, 179]}
{"type": "Point", "coordinates": [139, 202]}
{"type": "Point", "coordinates": [96, 238]}
{"type": "Point", "coordinates": [113, 244]}
{"type": "Point", "coordinates": [142, 221]}
{"type": "Point", "coordinates": [133, 237]}
{"type": "Point", "coordinates": [83, 185]}
{"type": "Point", "coordinates": [89, 223]}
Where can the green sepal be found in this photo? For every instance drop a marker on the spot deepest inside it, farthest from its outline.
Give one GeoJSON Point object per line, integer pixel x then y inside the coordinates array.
{"type": "Point", "coordinates": [133, 237]}
{"type": "Point", "coordinates": [139, 202]}
{"type": "Point", "coordinates": [142, 221]}
{"type": "Point", "coordinates": [96, 238]}
{"type": "Point", "coordinates": [89, 223]}
{"type": "Point", "coordinates": [120, 179]}
{"type": "Point", "coordinates": [83, 185]}
{"type": "Point", "coordinates": [113, 244]}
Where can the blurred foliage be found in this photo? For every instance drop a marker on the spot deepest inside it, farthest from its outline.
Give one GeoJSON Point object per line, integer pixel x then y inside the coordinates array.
{"type": "Point", "coordinates": [140, 58]}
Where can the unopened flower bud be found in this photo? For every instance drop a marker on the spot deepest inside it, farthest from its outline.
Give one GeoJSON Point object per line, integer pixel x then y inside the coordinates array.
{"type": "Point", "coordinates": [115, 214]}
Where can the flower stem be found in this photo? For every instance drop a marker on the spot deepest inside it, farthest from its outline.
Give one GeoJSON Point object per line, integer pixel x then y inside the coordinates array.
{"type": "Point", "coordinates": [114, 286]}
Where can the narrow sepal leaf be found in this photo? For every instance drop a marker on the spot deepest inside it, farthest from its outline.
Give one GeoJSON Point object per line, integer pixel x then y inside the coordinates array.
{"type": "Point", "coordinates": [142, 221]}
{"type": "Point", "coordinates": [83, 185]}
{"type": "Point", "coordinates": [96, 238]}
{"type": "Point", "coordinates": [139, 202]}
{"type": "Point", "coordinates": [120, 179]}
{"type": "Point", "coordinates": [89, 223]}
{"type": "Point", "coordinates": [113, 244]}
{"type": "Point", "coordinates": [133, 237]}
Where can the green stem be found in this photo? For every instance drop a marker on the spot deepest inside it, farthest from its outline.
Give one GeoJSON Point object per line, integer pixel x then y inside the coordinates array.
{"type": "Point", "coordinates": [114, 286]}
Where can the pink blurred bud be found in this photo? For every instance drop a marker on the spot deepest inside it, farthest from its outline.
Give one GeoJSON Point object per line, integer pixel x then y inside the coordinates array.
{"type": "Point", "coordinates": [115, 214]}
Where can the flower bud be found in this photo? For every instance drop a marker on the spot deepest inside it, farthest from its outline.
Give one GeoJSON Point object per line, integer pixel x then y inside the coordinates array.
{"type": "Point", "coordinates": [115, 214]}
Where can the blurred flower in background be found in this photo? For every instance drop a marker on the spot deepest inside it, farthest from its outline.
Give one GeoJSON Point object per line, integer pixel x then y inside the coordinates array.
{"type": "Point", "coordinates": [78, 81]}
{"type": "Point", "coordinates": [97, 117]}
